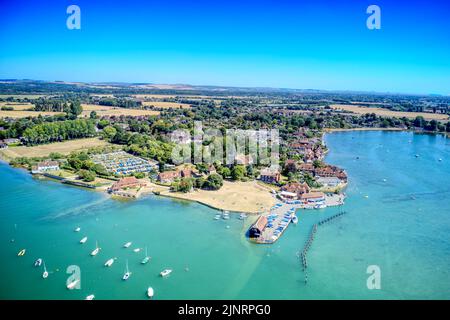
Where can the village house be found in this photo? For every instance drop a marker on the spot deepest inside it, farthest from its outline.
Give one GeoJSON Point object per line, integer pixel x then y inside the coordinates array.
{"type": "Point", "coordinates": [329, 181]}
{"type": "Point", "coordinates": [127, 182]}
{"type": "Point", "coordinates": [313, 198]}
{"type": "Point", "coordinates": [45, 166]}
{"type": "Point", "coordinates": [270, 176]}
{"type": "Point", "coordinates": [331, 171]}
{"type": "Point", "coordinates": [243, 159]}
{"type": "Point", "coordinates": [306, 167]}
{"type": "Point", "coordinates": [168, 176]}
{"type": "Point", "coordinates": [294, 190]}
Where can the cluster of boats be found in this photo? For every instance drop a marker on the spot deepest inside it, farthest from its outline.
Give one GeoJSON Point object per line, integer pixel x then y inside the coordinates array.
{"type": "Point", "coordinates": [225, 215]}
{"type": "Point", "coordinates": [73, 284]}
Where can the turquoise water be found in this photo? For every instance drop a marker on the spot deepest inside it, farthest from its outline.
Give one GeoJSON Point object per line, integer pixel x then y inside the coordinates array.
{"type": "Point", "coordinates": [403, 226]}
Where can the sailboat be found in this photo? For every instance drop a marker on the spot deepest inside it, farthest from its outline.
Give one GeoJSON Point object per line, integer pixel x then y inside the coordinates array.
{"type": "Point", "coordinates": [45, 274]}
{"type": "Point", "coordinates": [147, 258]}
{"type": "Point", "coordinates": [96, 250]}
{"type": "Point", "coordinates": [165, 272]}
{"type": "Point", "coordinates": [127, 245]}
{"type": "Point", "coordinates": [109, 262]}
{"type": "Point", "coordinates": [83, 240]}
{"type": "Point", "coordinates": [72, 285]}
{"type": "Point", "coordinates": [127, 273]}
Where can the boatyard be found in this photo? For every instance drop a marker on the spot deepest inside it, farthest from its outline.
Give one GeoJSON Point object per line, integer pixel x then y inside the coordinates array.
{"type": "Point", "coordinates": [269, 226]}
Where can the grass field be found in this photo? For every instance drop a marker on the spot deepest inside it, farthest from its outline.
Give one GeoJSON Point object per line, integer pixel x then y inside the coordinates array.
{"type": "Point", "coordinates": [18, 106]}
{"type": "Point", "coordinates": [112, 111]}
{"type": "Point", "coordinates": [388, 113]}
{"type": "Point", "coordinates": [44, 150]}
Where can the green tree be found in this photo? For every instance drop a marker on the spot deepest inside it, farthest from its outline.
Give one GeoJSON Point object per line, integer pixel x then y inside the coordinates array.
{"type": "Point", "coordinates": [86, 175]}
{"type": "Point", "coordinates": [109, 132]}
{"type": "Point", "coordinates": [238, 172]}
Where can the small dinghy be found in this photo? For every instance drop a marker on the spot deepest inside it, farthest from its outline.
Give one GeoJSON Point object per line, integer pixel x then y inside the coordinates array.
{"type": "Point", "coordinates": [90, 297]}
{"type": "Point", "coordinates": [22, 252]}
{"type": "Point", "coordinates": [45, 274]}
{"type": "Point", "coordinates": [77, 229]}
{"type": "Point", "coordinates": [294, 219]}
{"type": "Point", "coordinates": [137, 250]}
{"type": "Point", "coordinates": [150, 292]}
{"type": "Point", "coordinates": [83, 240]}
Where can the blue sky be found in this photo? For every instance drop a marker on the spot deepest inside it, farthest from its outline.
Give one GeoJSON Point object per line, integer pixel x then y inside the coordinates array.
{"type": "Point", "coordinates": [292, 44]}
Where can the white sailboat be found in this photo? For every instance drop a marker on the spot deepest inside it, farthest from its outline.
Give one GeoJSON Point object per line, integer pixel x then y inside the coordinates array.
{"type": "Point", "coordinates": [38, 262]}
{"type": "Point", "coordinates": [127, 245]}
{"type": "Point", "coordinates": [127, 273]}
{"type": "Point", "coordinates": [90, 297]}
{"type": "Point", "coordinates": [77, 229]}
{"type": "Point", "coordinates": [45, 274]}
{"type": "Point", "coordinates": [96, 250]}
{"type": "Point", "coordinates": [166, 272]}
{"type": "Point", "coordinates": [137, 250]}
{"type": "Point", "coordinates": [150, 292]}
{"type": "Point", "coordinates": [83, 240]}
{"type": "Point", "coordinates": [147, 258]}
{"type": "Point", "coordinates": [109, 262]}
{"type": "Point", "coordinates": [73, 284]}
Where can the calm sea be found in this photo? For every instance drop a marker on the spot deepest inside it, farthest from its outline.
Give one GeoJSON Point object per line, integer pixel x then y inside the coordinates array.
{"type": "Point", "coordinates": [398, 218]}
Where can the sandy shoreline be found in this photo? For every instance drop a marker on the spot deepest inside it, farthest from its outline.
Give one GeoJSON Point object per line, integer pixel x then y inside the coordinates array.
{"type": "Point", "coordinates": [248, 197]}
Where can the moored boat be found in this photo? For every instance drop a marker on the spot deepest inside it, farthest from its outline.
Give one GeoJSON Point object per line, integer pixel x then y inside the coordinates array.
{"type": "Point", "coordinates": [127, 273]}
{"type": "Point", "coordinates": [45, 274]}
{"type": "Point", "coordinates": [127, 245]}
{"type": "Point", "coordinates": [147, 258]}
{"type": "Point", "coordinates": [77, 229]}
{"type": "Point", "coordinates": [294, 219]}
{"type": "Point", "coordinates": [90, 297]}
{"type": "Point", "coordinates": [150, 292]}
{"type": "Point", "coordinates": [165, 272]}
{"type": "Point", "coordinates": [109, 262]}
{"type": "Point", "coordinates": [83, 240]}
{"type": "Point", "coordinates": [22, 252]}
{"type": "Point", "coordinates": [96, 250]}
{"type": "Point", "coordinates": [38, 262]}
{"type": "Point", "coordinates": [73, 284]}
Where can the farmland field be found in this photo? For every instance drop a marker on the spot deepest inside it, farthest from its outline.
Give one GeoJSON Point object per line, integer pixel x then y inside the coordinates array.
{"type": "Point", "coordinates": [44, 150]}
{"type": "Point", "coordinates": [114, 111]}
{"type": "Point", "coordinates": [388, 113]}
{"type": "Point", "coordinates": [24, 114]}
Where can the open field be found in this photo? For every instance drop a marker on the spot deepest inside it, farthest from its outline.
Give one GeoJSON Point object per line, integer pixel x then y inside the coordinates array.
{"type": "Point", "coordinates": [160, 104]}
{"type": "Point", "coordinates": [22, 96]}
{"type": "Point", "coordinates": [44, 150]}
{"type": "Point", "coordinates": [113, 111]}
{"type": "Point", "coordinates": [18, 106]}
{"type": "Point", "coordinates": [388, 113]}
{"type": "Point", "coordinates": [24, 114]}
{"type": "Point", "coordinates": [233, 196]}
